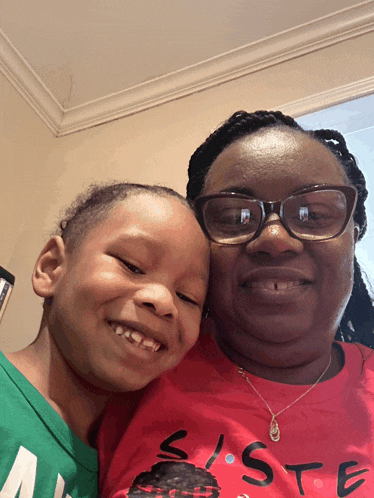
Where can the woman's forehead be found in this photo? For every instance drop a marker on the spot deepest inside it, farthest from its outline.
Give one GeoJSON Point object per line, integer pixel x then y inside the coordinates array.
{"type": "Point", "coordinates": [274, 161]}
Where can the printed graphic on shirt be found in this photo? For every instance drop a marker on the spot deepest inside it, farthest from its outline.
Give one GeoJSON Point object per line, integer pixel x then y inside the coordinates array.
{"type": "Point", "coordinates": [22, 477]}
{"type": "Point", "coordinates": [174, 479]}
{"type": "Point", "coordinates": [177, 478]}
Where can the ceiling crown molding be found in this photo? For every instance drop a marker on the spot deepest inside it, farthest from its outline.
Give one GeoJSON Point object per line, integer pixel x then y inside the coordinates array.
{"type": "Point", "coordinates": [329, 98]}
{"type": "Point", "coordinates": [304, 39]}
{"type": "Point", "coordinates": [17, 70]}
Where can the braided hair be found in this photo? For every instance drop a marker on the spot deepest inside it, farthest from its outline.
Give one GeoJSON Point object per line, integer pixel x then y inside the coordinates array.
{"type": "Point", "coordinates": [357, 324]}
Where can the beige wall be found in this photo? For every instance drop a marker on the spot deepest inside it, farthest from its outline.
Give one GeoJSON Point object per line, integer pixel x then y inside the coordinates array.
{"type": "Point", "coordinates": [40, 173]}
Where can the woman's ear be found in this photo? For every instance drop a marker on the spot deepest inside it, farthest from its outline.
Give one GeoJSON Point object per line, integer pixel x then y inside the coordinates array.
{"type": "Point", "coordinates": [49, 267]}
{"type": "Point", "coordinates": [356, 232]}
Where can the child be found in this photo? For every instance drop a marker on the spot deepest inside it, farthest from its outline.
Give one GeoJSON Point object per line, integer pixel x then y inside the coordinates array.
{"type": "Point", "coordinates": [123, 285]}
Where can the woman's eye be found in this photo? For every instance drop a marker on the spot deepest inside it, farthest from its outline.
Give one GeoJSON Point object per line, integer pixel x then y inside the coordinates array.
{"type": "Point", "coordinates": [234, 217]}
{"type": "Point", "coordinates": [187, 299]}
{"type": "Point", "coordinates": [316, 216]}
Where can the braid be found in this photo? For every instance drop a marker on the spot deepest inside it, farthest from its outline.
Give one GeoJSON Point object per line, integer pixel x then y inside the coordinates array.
{"type": "Point", "coordinates": [336, 143]}
{"type": "Point", "coordinates": [358, 319]}
{"type": "Point", "coordinates": [238, 125]}
{"type": "Point", "coordinates": [357, 323]}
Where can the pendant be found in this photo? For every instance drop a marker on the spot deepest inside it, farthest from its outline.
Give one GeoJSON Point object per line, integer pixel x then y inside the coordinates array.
{"type": "Point", "coordinates": [274, 430]}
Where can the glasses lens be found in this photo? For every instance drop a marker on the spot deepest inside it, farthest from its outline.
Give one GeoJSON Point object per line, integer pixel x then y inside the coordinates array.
{"type": "Point", "coordinates": [232, 220]}
{"type": "Point", "coordinates": [316, 215]}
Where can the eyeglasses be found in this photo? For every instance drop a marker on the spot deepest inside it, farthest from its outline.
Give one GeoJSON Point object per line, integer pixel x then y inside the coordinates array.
{"type": "Point", "coordinates": [313, 214]}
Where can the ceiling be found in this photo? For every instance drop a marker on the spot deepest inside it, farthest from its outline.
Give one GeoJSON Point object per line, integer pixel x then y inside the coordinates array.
{"type": "Point", "coordinates": [80, 63]}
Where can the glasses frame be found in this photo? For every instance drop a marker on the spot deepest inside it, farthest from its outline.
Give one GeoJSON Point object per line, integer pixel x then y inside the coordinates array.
{"type": "Point", "coordinates": [268, 207]}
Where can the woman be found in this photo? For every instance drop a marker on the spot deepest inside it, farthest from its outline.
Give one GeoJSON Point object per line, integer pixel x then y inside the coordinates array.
{"type": "Point", "coordinates": [280, 408]}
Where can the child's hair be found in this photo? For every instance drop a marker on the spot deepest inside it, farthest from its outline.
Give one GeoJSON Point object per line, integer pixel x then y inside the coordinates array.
{"type": "Point", "coordinates": [94, 205]}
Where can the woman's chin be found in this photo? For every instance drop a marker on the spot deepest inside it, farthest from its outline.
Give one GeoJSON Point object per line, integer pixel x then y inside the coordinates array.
{"type": "Point", "coordinates": [267, 332]}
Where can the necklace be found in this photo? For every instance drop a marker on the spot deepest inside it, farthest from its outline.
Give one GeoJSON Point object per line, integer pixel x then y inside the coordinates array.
{"type": "Point", "coordinates": [274, 432]}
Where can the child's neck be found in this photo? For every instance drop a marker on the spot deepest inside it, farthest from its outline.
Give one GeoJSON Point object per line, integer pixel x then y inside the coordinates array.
{"type": "Point", "coordinates": [78, 403]}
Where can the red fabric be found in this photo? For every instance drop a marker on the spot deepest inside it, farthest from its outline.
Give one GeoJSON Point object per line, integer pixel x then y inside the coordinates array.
{"type": "Point", "coordinates": [203, 425]}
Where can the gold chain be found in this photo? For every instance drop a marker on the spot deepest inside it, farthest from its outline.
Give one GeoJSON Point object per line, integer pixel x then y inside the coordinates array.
{"type": "Point", "coordinates": [274, 432]}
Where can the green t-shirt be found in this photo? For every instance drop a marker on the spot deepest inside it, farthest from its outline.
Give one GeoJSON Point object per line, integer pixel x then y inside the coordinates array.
{"type": "Point", "coordinates": [40, 457]}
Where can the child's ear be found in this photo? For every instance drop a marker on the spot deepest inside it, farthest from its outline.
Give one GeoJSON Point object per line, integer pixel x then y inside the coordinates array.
{"type": "Point", "coordinates": [49, 267]}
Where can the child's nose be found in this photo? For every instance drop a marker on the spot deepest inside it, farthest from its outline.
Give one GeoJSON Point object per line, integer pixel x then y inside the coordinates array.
{"type": "Point", "coordinates": [159, 299]}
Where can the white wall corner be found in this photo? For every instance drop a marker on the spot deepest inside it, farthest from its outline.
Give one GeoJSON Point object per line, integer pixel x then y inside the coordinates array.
{"type": "Point", "coordinates": [17, 70]}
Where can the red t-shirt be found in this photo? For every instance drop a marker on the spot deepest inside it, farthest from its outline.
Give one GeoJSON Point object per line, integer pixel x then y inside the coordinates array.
{"type": "Point", "coordinates": [201, 431]}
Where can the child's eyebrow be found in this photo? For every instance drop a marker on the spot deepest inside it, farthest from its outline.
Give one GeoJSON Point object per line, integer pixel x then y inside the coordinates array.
{"type": "Point", "coordinates": [152, 246]}
{"type": "Point", "coordinates": [139, 240]}
{"type": "Point", "coordinates": [138, 237]}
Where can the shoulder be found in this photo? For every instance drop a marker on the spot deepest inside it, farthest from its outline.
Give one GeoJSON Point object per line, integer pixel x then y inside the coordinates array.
{"type": "Point", "coordinates": [10, 376]}
{"type": "Point", "coordinates": [359, 361]}
{"type": "Point", "coordinates": [355, 351]}
{"type": "Point", "coordinates": [4, 362]}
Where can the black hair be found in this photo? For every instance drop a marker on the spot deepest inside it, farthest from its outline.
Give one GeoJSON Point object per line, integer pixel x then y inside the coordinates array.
{"type": "Point", "coordinates": [94, 205]}
{"type": "Point", "coordinates": [176, 479]}
{"type": "Point", "coordinates": [357, 324]}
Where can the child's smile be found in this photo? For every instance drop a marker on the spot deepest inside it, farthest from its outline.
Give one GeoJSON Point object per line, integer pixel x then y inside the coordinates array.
{"type": "Point", "coordinates": [135, 337]}
{"type": "Point", "coordinates": [141, 274]}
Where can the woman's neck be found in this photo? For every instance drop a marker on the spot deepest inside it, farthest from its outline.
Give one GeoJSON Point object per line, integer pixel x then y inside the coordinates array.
{"type": "Point", "coordinates": [300, 371]}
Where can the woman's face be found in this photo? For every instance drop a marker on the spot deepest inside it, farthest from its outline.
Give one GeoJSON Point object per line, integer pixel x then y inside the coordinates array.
{"type": "Point", "coordinates": [277, 297]}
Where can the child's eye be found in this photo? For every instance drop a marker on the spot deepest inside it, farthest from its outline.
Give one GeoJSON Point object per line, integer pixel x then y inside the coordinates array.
{"type": "Point", "coordinates": [131, 267]}
{"type": "Point", "coordinates": [187, 299]}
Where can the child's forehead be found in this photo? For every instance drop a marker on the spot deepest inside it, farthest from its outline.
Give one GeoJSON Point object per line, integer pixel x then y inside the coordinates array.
{"type": "Point", "coordinates": [161, 206]}
{"type": "Point", "coordinates": [154, 233]}
{"type": "Point", "coordinates": [148, 219]}
{"type": "Point", "coordinates": [151, 209]}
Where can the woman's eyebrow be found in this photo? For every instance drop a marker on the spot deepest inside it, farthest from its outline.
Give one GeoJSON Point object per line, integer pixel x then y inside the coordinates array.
{"type": "Point", "coordinates": [239, 190]}
{"type": "Point", "coordinates": [250, 193]}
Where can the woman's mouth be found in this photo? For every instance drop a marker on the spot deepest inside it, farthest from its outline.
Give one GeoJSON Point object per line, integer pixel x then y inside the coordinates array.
{"type": "Point", "coordinates": [273, 285]}
{"type": "Point", "coordinates": [276, 290]}
{"type": "Point", "coordinates": [136, 338]}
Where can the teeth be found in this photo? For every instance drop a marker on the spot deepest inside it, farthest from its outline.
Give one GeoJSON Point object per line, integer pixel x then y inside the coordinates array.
{"type": "Point", "coordinates": [284, 285]}
{"type": "Point", "coordinates": [119, 330]}
{"type": "Point", "coordinates": [273, 285]}
{"type": "Point", "coordinates": [137, 338]}
{"type": "Point", "coordinates": [151, 345]}
{"type": "Point", "coordinates": [148, 342]}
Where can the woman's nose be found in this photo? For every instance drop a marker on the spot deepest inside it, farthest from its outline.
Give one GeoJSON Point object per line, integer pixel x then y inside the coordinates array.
{"type": "Point", "coordinates": [274, 240]}
{"type": "Point", "coordinates": [158, 299]}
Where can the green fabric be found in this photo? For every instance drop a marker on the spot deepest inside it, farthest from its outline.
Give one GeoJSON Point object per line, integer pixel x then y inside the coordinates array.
{"type": "Point", "coordinates": [40, 457]}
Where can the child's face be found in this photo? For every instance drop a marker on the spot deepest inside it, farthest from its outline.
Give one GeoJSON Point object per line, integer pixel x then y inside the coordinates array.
{"type": "Point", "coordinates": [127, 305]}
